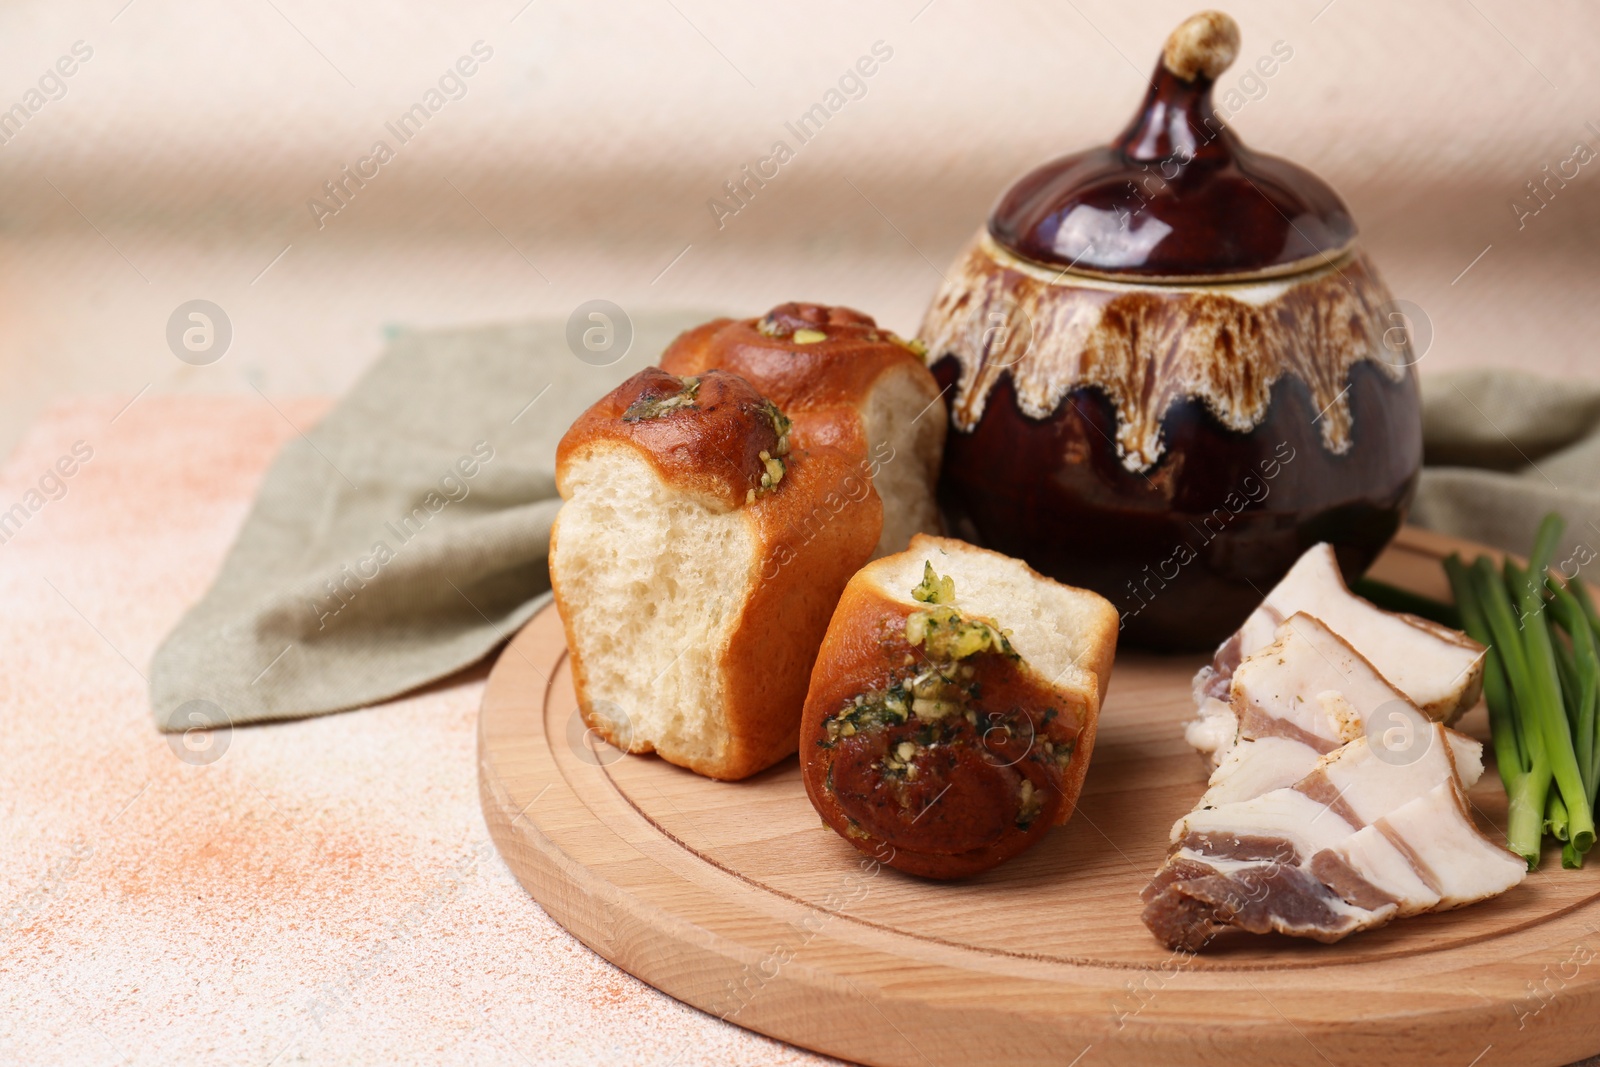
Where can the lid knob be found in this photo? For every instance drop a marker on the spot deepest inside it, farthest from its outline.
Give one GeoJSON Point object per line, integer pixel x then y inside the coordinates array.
{"type": "Point", "coordinates": [1176, 195]}
{"type": "Point", "coordinates": [1203, 45]}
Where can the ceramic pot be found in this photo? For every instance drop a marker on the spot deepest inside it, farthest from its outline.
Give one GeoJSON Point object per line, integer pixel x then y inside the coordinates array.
{"type": "Point", "coordinates": [1171, 369]}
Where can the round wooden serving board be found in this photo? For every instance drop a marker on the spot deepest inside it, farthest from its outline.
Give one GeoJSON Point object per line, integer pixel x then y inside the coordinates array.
{"type": "Point", "coordinates": [735, 898]}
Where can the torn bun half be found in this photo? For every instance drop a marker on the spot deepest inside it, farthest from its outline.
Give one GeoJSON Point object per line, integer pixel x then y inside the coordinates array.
{"type": "Point", "coordinates": [952, 712]}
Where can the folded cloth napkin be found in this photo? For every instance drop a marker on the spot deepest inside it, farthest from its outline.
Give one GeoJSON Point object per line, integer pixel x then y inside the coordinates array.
{"type": "Point", "coordinates": [404, 536]}
{"type": "Point", "coordinates": [1500, 449]}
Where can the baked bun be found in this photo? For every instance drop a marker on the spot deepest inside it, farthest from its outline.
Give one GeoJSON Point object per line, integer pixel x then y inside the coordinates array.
{"type": "Point", "coordinates": [808, 358]}
{"type": "Point", "coordinates": [693, 608]}
{"type": "Point", "coordinates": [952, 711]}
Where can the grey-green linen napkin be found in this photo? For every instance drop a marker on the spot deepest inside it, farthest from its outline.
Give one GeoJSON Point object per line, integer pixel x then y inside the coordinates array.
{"type": "Point", "coordinates": [1502, 448]}
{"type": "Point", "coordinates": [405, 535]}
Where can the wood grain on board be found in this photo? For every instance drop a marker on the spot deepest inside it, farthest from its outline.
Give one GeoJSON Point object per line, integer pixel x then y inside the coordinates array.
{"type": "Point", "coordinates": [735, 898]}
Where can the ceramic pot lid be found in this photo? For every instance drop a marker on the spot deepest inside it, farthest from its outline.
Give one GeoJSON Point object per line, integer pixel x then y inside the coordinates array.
{"type": "Point", "coordinates": [1177, 195]}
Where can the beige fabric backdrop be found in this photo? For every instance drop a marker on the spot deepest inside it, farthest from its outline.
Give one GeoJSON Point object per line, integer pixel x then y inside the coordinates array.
{"type": "Point", "coordinates": [180, 160]}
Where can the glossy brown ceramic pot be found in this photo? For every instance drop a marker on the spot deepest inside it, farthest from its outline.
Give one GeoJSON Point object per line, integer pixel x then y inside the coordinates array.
{"type": "Point", "coordinates": [1171, 369]}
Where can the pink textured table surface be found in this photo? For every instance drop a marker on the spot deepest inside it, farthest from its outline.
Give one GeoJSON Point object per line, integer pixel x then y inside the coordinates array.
{"type": "Point", "coordinates": [325, 891]}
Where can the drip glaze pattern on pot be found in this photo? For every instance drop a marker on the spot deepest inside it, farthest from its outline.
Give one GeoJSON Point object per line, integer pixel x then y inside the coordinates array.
{"type": "Point", "coordinates": [1224, 345]}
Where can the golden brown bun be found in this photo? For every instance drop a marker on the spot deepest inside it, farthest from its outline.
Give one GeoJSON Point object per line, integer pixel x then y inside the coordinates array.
{"type": "Point", "coordinates": [809, 359]}
{"type": "Point", "coordinates": [957, 806]}
{"type": "Point", "coordinates": [694, 597]}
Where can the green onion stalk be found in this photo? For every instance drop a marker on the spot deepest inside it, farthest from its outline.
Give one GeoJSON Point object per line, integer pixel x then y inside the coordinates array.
{"type": "Point", "coordinates": [1575, 618]}
{"type": "Point", "coordinates": [1541, 679]}
{"type": "Point", "coordinates": [1523, 767]}
{"type": "Point", "coordinates": [1583, 704]}
{"type": "Point", "coordinates": [1550, 707]}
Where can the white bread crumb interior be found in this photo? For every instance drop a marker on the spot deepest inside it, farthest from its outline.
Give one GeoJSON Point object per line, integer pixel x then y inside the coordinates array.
{"type": "Point", "coordinates": [906, 440]}
{"type": "Point", "coordinates": [652, 561]}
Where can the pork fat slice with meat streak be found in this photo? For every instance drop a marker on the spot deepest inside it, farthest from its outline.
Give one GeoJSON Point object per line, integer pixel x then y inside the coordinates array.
{"type": "Point", "coordinates": [1338, 801]}
{"type": "Point", "coordinates": [1369, 834]}
{"type": "Point", "coordinates": [1300, 698]}
{"type": "Point", "coordinates": [1440, 670]}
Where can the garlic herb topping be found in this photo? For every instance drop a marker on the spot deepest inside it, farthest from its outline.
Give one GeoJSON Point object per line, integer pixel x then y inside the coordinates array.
{"type": "Point", "coordinates": [914, 346]}
{"type": "Point", "coordinates": [781, 425]}
{"type": "Point", "coordinates": [935, 589]}
{"type": "Point", "coordinates": [654, 407]}
{"type": "Point", "coordinates": [774, 472]}
{"type": "Point", "coordinates": [944, 633]}
{"type": "Point", "coordinates": [773, 461]}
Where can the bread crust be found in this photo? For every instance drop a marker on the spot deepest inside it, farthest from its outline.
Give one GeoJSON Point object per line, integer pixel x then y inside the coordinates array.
{"type": "Point", "coordinates": [964, 815]}
{"type": "Point", "coordinates": [816, 534]}
{"type": "Point", "coordinates": [813, 361]}
{"type": "Point", "coordinates": [812, 531]}
{"type": "Point", "coordinates": [710, 447]}
{"type": "Point", "coordinates": [800, 377]}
